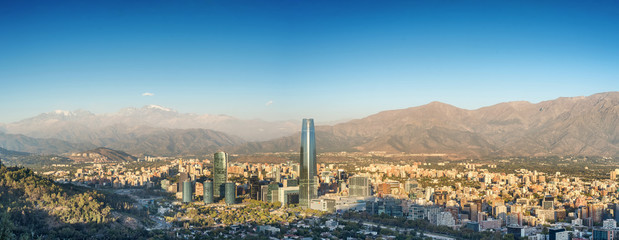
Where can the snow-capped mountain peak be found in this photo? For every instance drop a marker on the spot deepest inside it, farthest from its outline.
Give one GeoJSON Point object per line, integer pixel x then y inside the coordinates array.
{"type": "Point", "coordinates": [152, 106]}
{"type": "Point", "coordinates": [62, 112]}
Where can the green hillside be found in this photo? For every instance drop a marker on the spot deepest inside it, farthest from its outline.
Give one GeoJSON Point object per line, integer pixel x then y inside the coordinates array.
{"type": "Point", "coordinates": [33, 207]}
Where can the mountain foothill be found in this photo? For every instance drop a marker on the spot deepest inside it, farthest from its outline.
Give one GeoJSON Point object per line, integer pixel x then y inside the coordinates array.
{"type": "Point", "coordinates": [565, 126]}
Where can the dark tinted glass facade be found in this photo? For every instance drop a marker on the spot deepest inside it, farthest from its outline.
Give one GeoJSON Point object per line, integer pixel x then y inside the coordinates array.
{"type": "Point", "coordinates": [307, 169]}
{"type": "Point", "coordinates": [208, 192]}
{"type": "Point", "coordinates": [187, 193]}
{"type": "Point", "coordinates": [230, 193]}
{"type": "Point", "coordinates": [220, 173]}
{"type": "Point", "coordinates": [254, 187]}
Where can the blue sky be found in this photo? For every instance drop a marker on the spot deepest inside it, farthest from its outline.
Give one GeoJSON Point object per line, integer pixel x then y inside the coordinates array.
{"type": "Point", "coordinates": [281, 60]}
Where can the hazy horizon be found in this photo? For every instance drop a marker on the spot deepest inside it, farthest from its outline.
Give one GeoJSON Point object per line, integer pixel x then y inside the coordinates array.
{"type": "Point", "coordinates": [318, 121]}
{"type": "Point", "coordinates": [283, 60]}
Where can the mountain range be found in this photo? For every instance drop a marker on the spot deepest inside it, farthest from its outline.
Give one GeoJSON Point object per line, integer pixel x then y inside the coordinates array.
{"type": "Point", "coordinates": [137, 141]}
{"type": "Point", "coordinates": [22, 143]}
{"type": "Point", "coordinates": [9, 153]}
{"type": "Point", "coordinates": [84, 126]}
{"type": "Point", "coordinates": [564, 126]}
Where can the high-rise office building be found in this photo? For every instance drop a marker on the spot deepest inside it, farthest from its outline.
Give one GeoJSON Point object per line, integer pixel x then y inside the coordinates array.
{"type": "Point", "coordinates": [220, 173]}
{"type": "Point", "coordinates": [208, 192]}
{"type": "Point", "coordinates": [187, 191]}
{"type": "Point", "coordinates": [473, 212]}
{"type": "Point", "coordinates": [359, 186]}
{"type": "Point", "coordinates": [264, 193]}
{"type": "Point", "coordinates": [277, 177]}
{"type": "Point", "coordinates": [254, 187]}
{"type": "Point", "coordinates": [182, 177]}
{"type": "Point", "coordinates": [410, 185]}
{"type": "Point", "coordinates": [273, 186]}
{"type": "Point", "coordinates": [230, 193]}
{"type": "Point", "coordinates": [307, 169]}
{"type": "Point", "coordinates": [548, 202]}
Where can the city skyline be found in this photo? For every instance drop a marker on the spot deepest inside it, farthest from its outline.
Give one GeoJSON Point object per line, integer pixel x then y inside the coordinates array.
{"type": "Point", "coordinates": [361, 57]}
{"type": "Point", "coordinates": [422, 119]}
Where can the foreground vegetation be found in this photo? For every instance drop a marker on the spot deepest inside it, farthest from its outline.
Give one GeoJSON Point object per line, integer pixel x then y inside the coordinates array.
{"type": "Point", "coordinates": [33, 207]}
{"type": "Point", "coordinates": [250, 212]}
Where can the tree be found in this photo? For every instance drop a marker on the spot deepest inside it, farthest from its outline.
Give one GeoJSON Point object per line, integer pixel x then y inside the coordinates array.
{"type": "Point", "coordinates": [6, 226]}
{"type": "Point", "coordinates": [508, 236]}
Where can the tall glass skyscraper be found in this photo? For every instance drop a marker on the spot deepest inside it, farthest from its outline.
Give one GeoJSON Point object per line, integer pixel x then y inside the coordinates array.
{"type": "Point", "coordinates": [220, 173]}
{"type": "Point", "coordinates": [307, 169]}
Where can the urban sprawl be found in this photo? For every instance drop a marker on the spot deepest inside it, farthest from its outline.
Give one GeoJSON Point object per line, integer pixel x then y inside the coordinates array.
{"type": "Point", "coordinates": [308, 198]}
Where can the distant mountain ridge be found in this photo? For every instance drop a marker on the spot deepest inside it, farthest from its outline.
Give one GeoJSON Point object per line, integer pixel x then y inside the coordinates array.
{"type": "Point", "coordinates": [22, 143]}
{"type": "Point", "coordinates": [152, 130]}
{"type": "Point", "coordinates": [172, 142]}
{"type": "Point", "coordinates": [137, 141]}
{"type": "Point", "coordinates": [564, 126]}
{"type": "Point", "coordinates": [9, 153]}
{"type": "Point", "coordinates": [84, 126]}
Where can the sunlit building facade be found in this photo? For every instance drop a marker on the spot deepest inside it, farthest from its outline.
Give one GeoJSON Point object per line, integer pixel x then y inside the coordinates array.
{"type": "Point", "coordinates": [359, 186]}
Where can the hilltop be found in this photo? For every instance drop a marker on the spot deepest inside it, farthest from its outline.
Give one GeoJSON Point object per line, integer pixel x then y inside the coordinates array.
{"type": "Point", "coordinates": [564, 126]}
{"type": "Point", "coordinates": [102, 155]}
{"type": "Point", "coordinates": [32, 205]}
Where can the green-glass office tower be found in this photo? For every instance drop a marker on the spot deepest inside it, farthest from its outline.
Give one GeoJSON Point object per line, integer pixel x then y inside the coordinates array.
{"type": "Point", "coordinates": [220, 173]}
{"type": "Point", "coordinates": [307, 168]}
{"type": "Point", "coordinates": [230, 193]}
{"type": "Point", "coordinates": [208, 192]}
{"type": "Point", "coordinates": [187, 193]}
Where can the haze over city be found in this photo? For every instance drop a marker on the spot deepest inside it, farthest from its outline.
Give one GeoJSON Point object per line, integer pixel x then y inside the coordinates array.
{"type": "Point", "coordinates": [285, 60]}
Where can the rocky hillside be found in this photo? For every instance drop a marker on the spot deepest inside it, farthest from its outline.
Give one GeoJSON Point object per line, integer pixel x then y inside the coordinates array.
{"type": "Point", "coordinates": [32, 205]}
{"type": "Point", "coordinates": [8, 153]}
{"type": "Point", "coordinates": [102, 155]}
{"type": "Point", "coordinates": [22, 143]}
{"type": "Point", "coordinates": [564, 126]}
{"type": "Point", "coordinates": [136, 141]}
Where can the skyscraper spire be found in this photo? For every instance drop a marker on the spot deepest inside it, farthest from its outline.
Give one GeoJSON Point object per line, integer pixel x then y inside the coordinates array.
{"type": "Point", "coordinates": [307, 170]}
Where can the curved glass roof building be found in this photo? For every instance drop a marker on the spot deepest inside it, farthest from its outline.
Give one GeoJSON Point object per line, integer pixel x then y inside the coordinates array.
{"type": "Point", "coordinates": [307, 169]}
